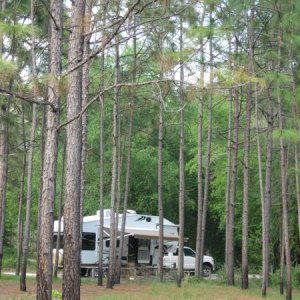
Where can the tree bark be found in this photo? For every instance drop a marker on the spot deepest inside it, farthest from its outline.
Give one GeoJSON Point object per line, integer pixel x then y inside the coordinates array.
{"type": "Point", "coordinates": [208, 143]}
{"type": "Point", "coordinates": [85, 90]}
{"type": "Point", "coordinates": [246, 175]}
{"type": "Point", "coordinates": [129, 155]}
{"type": "Point", "coordinates": [25, 247]}
{"type": "Point", "coordinates": [233, 179]}
{"type": "Point", "coordinates": [45, 230]}
{"type": "Point", "coordinates": [21, 199]}
{"type": "Point", "coordinates": [101, 172]}
{"type": "Point", "coordinates": [267, 196]}
{"type": "Point", "coordinates": [60, 210]}
{"type": "Point", "coordinates": [72, 237]}
{"type": "Point", "coordinates": [4, 111]}
{"type": "Point", "coordinates": [198, 260]}
{"type": "Point", "coordinates": [180, 273]}
{"type": "Point", "coordinates": [283, 170]}
{"type": "Point", "coordinates": [114, 171]}
{"type": "Point", "coordinates": [3, 173]}
{"type": "Point", "coordinates": [229, 151]}
{"type": "Point", "coordinates": [160, 189]}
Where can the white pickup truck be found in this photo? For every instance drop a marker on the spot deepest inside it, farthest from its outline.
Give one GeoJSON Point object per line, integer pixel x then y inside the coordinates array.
{"type": "Point", "coordinates": [170, 260]}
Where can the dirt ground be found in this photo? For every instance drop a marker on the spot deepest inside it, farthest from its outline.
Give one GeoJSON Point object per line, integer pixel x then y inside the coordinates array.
{"type": "Point", "coordinates": [11, 290]}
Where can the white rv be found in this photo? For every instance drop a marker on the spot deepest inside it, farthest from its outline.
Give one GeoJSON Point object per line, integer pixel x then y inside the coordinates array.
{"type": "Point", "coordinates": [140, 243]}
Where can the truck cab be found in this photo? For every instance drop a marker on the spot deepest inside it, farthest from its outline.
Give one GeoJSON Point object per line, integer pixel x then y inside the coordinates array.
{"type": "Point", "coordinates": [170, 260]}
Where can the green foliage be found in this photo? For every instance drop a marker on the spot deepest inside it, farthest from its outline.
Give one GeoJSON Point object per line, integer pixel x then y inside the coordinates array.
{"type": "Point", "coordinates": [8, 70]}
{"type": "Point", "coordinates": [56, 294]}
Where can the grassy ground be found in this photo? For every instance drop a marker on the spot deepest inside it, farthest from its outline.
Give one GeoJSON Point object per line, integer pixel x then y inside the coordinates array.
{"type": "Point", "coordinates": [136, 290]}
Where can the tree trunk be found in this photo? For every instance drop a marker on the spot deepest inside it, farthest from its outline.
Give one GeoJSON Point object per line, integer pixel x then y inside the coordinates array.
{"type": "Point", "coordinates": [180, 273]}
{"type": "Point", "coordinates": [101, 172]}
{"type": "Point", "coordinates": [160, 189]}
{"type": "Point", "coordinates": [297, 185]}
{"type": "Point", "coordinates": [45, 230]}
{"type": "Point", "coordinates": [26, 238]}
{"type": "Point", "coordinates": [4, 111]}
{"type": "Point", "coordinates": [25, 247]}
{"type": "Point", "coordinates": [267, 196]}
{"type": "Point", "coordinates": [85, 90]}
{"type": "Point", "coordinates": [128, 165]}
{"type": "Point", "coordinates": [3, 173]}
{"type": "Point", "coordinates": [283, 169]}
{"type": "Point", "coordinates": [229, 151]}
{"type": "Point", "coordinates": [208, 144]}
{"type": "Point", "coordinates": [198, 260]}
{"type": "Point", "coordinates": [72, 237]}
{"type": "Point", "coordinates": [233, 179]}
{"type": "Point", "coordinates": [60, 210]}
{"type": "Point", "coordinates": [21, 199]}
{"type": "Point", "coordinates": [295, 115]}
{"type": "Point", "coordinates": [245, 229]}
{"type": "Point", "coordinates": [282, 269]}
{"type": "Point", "coordinates": [114, 171]}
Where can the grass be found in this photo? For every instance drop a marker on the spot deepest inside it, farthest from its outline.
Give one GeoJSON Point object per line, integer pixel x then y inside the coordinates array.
{"type": "Point", "coordinates": [191, 289]}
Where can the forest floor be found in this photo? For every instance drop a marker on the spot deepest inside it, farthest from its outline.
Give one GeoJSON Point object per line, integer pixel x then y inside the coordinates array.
{"type": "Point", "coordinates": [146, 290]}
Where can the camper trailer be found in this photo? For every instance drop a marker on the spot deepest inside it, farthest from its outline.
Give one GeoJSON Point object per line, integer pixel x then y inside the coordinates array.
{"type": "Point", "coordinates": [140, 243]}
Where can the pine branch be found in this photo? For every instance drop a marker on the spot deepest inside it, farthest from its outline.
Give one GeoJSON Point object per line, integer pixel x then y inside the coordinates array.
{"type": "Point", "coordinates": [29, 100]}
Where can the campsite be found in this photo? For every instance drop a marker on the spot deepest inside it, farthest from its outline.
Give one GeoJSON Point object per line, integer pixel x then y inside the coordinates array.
{"type": "Point", "coordinates": [149, 149]}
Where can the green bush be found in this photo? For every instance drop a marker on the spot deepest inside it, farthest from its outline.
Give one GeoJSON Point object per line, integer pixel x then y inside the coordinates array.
{"type": "Point", "coordinates": [56, 294]}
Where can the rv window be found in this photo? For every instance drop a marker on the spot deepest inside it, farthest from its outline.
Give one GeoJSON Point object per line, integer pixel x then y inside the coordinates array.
{"type": "Point", "coordinates": [61, 241]}
{"type": "Point", "coordinates": [107, 243]}
{"type": "Point", "coordinates": [88, 241]}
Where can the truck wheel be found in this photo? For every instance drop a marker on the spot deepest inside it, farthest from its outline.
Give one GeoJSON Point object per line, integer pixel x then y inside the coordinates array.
{"type": "Point", "coordinates": [206, 271]}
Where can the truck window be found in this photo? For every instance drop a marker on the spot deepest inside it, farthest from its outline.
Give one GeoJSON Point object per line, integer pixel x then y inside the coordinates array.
{"type": "Point", "coordinates": [188, 252]}
{"type": "Point", "coordinates": [88, 241]}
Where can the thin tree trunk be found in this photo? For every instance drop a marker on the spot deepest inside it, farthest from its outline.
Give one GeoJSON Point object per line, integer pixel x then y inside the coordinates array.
{"type": "Point", "coordinates": [296, 151]}
{"type": "Point", "coordinates": [26, 238]}
{"type": "Point", "coordinates": [229, 151]}
{"type": "Point", "coordinates": [21, 199]}
{"type": "Point", "coordinates": [160, 176]}
{"type": "Point", "coordinates": [233, 179]}
{"type": "Point", "coordinates": [246, 175]}
{"type": "Point", "coordinates": [267, 196]}
{"type": "Point", "coordinates": [283, 169]}
{"type": "Point", "coordinates": [3, 173]}
{"type": "Point", "coordinates": [118, 203]}
{"type": "Point", "coordinates": [85, 90]}
{"type": "Point", "coordinates": [42, 149]}
{"type": "Point", "coordinates": [60, 210]}
{"type": "Point", "coordinates": [25, 247]}
{"type": "Point", "coordinates": [160, 190]}
{"type": "Point", "coordinates": [45, 230]}
{"type": "Point", "coordinates": [4, 112]}
{"type": "Point", "coordinates": [128, 165]}
{"type": "Point", "coordinates": [180, 273]}
{"type": "Point", "coordinates": [114, 171]}
{"type": "Point", "coordinates": [296, 147]}
{"type": "Point", "coordinates": [199, 260]}
{"type": "Point", "coordinates": [101, 173]}
{"type": "Point", "coordinates": [282, 269]}
{"type": "Point", "coordinates": [208, 145]}
{"type": "Point", "coordinates": [72, 238]}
